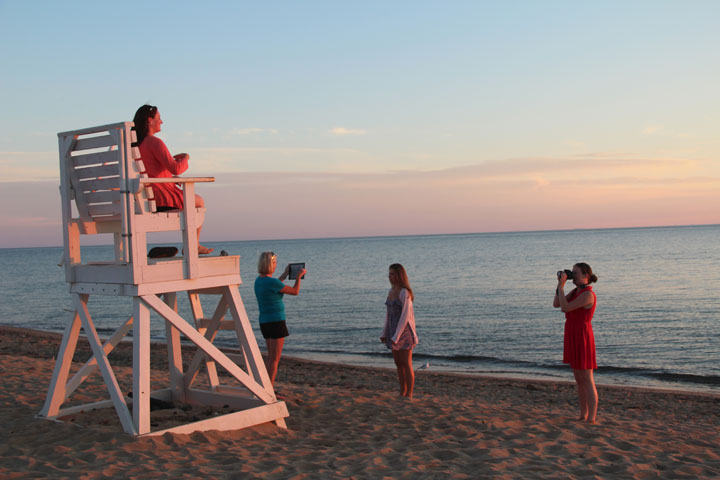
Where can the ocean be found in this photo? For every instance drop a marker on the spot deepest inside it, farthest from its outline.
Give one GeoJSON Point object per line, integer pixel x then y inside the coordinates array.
{"type": "Point", "coordinates": [483, 302]}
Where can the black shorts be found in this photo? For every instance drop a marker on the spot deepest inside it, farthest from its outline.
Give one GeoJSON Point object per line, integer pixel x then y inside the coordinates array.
{"type": "Point", "coordinates": [274, 330]}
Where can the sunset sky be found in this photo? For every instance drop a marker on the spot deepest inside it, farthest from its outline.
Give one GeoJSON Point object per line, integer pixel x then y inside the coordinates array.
{"type": "Point", "coordinates": [323, 119]}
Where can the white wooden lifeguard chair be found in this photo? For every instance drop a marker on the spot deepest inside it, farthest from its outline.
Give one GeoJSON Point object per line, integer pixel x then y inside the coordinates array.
{"type": "Point", "coordinates": [102, 174]}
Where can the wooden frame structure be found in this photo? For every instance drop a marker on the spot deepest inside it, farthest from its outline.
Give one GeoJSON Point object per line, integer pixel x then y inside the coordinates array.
{"type": "Point", "coordinates": [103, 178]}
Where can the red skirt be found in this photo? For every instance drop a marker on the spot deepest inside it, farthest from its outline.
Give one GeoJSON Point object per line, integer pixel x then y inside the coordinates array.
{"type": "Point", "coordinates": [579, 345]}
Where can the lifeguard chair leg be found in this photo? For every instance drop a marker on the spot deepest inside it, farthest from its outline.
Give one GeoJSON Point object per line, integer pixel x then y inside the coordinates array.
{"type": "Point", "coordinates": [80, 303]}
{"type": "Point", "coordinates": [209, 333]}
{"type": "Point", "coordinates": [56, 392]}
{"type": "Point", "coordinates": [198, 315]}
{"type": "Point", "coordinates": [246, 337]}
{"type": "Point", "coordinates": [177, 383]}
{"type": "Point", "coordinates": [141, 367]}
{"type": "Point", "coordinates": [91, 364]}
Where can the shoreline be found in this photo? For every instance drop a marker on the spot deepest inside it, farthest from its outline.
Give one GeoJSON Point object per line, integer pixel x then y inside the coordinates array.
{"type": "Point", "coordinates": [565, 377]}
{"type": "Point", "coordinates": [386, 363]}
{"type": "Point", "coordinates": [347, 421]}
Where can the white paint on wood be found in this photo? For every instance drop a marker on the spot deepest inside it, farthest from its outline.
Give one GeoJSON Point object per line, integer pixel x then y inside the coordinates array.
{"type": "Point", "coordinates": [208, 347]}
{"type": "Point", "coordinates": [233, 421]}
{"type": "Point", "coordinates": [80, 304]}
{"type": "Point", "coordinates": [112, 195]}
{"type": "Point", "coordinates": [57, 391]}
{"type": "Point", "coordinates": [141, 367]}
{"type": "Point", "coordinates": [91, 364]}
{"type": "Point", "coordinates": [177, 384]}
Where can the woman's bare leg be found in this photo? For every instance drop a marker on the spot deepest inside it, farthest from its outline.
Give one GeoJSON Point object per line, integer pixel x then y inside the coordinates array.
{"type": "Point", "coordinates": [274, 351]}
{"type": "Point", "coordinates": [591, 395]}
{"type": "Point", "coordinates": [200, 203]}
{"type": "Point", "coordinates": [400, 370]}
{"type": "Point", "coordinates": [406, 375]}
{"type": "Point", "coordinates": [581, 394]}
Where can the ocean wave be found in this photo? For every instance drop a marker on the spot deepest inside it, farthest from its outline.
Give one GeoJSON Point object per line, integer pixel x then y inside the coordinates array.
{"type": "Point", "coordinates": [521, 365]}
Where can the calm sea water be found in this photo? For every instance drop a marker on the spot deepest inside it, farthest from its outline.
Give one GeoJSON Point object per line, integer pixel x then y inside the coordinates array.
{"type": "Point", "coordinates": [483, 301]}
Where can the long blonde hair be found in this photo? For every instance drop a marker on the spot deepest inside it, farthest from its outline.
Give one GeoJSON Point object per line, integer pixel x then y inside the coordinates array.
{"type": "Point", "coordinates": [403, 277]}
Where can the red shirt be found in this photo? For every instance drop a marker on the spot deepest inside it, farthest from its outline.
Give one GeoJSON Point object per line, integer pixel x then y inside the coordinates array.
{"type": "Point", "coordinates": [160, 164]}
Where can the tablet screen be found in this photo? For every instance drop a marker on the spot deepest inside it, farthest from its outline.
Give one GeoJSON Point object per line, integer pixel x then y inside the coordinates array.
{"type": "Point", "coordinates": [294, 269]}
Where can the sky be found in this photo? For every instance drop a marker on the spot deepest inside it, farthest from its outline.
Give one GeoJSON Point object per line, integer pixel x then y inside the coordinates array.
{"type": "Point", "coordinates": [333, 118]}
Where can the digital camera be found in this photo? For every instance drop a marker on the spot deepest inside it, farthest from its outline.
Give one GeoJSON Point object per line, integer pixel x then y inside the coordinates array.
{"type": "Point", "coordinates": [567, 272]}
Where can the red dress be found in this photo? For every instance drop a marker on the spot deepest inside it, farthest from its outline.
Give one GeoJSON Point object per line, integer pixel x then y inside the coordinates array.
{"type": "Point", "coordinates": [579, 349]}
{"type": "Point", "coordinates": [160, 164]}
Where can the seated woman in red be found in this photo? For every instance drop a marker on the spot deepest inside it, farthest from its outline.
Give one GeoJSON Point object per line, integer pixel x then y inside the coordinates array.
{"type": "Point", "coordinates": [579, 343]}
{"type": "Point", "coordinates": [160, 164]}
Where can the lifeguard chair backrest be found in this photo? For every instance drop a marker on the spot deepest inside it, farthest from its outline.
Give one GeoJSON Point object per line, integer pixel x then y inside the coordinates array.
{"type": "Point", "coordinates": [98, 165]}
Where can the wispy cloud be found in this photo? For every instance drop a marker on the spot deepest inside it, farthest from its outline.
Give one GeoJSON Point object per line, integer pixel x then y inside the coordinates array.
{"type": "Point", "coordinates": [652, 129]}
{"type": "Point", "coordinates": [347, 131]}
{"type": "Point", "coordinates": [254, 131]}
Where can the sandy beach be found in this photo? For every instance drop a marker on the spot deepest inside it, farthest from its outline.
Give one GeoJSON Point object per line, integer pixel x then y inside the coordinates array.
{"type": "Point", "coordinates": [348, 422]}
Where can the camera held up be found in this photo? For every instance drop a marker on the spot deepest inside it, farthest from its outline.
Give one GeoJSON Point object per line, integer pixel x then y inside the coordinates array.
{"type": "Point", "coordinates": [569, 273]}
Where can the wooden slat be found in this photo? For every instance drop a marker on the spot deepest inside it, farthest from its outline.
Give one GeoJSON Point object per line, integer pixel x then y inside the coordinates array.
{"type": "Point", "coordinates": [103, 184]}
{"type": "Point", "coordinates": [94, 142]}
{"type": "Point", "coordinates": [177, 180]}
{"type": "Point", "coordinates": [87, 407]}
{"type": "Point", "coordinates": [94, 158]}
{"type": "Point", "coordinates": [135, 152]}
{"type": "Point", "coordinates": [102, 197]}
{"type": "Point", "coordinates": [104, 209]}
{"type": "Point", "coordinates": [246, 338]}
{"type": "Point", "coordinates": [142, 206]}
{"type": "Point", "coordinates": [80, 304]}
{"type": "Point", "coordinates": [190, 238]}
{"type": "Point", "coordinates": [91, 364]}
{"type": "Point", "coordinates": [99, 225]}
{"type": "Point", "coordinates": [110, 170]}
{"type": "Point", "coordinates": [139, 166]}
{"type": "Point", "coordinates": [98, 129]}
{"type": "Point", "coordinates": [181, 324]}
{"type": "Point", "coordinates": [224, 325]}
{"type": "Point", "coordinates": [209, 333]}
{"type": "Point", "coordinates": [233, 421]}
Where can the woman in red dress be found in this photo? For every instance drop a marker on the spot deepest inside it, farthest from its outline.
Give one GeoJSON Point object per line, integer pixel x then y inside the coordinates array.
{"type": "Point", "coordinates": [160, 164]}
{"type": "Point", "coordinates": [579, 344]}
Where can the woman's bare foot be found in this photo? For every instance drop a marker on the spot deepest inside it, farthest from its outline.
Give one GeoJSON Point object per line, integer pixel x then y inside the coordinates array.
{"type": "Point", "coordinates": [204, 250]}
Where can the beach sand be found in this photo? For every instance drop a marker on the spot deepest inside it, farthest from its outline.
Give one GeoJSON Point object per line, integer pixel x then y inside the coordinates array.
{"type": "Point", "coordinates": [348, 422]}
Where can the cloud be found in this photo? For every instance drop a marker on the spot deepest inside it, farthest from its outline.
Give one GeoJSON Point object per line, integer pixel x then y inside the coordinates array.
{"type": "Point", "coordinates": [347, 131]}
{"type": "Point", "coordinates": [254, 131]}
{"type": "Point", "coordinates": [514, 194]}
{"type": "Point", "coordinates": [651, 129]}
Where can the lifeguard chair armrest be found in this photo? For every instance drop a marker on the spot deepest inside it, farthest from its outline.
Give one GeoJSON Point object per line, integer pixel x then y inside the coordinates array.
{"type": "Point", "coordinates": [138, 182]}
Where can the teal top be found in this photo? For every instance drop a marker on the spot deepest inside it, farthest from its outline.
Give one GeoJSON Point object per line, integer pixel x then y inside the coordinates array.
{"type": "Point", "coordinates": [269, 298]}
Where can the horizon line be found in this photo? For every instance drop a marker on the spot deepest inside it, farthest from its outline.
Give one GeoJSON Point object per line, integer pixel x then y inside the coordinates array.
{"type": "Point", "coordinates": [498, 232]}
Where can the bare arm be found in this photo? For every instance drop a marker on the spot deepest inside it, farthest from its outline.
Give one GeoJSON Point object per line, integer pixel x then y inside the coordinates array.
{"type": "Point", "coordinates": [407, 311]}
{"type": "Point", "coordinates": [561, 300]}
{"type": "Point", "coordinates": [174, 164]}
{"type": "Point", "coordinates": [295, 289]}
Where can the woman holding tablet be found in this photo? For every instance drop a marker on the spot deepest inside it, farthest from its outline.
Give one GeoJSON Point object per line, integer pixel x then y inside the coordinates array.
{"type": "Point", "coordinates": [269, 293]}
